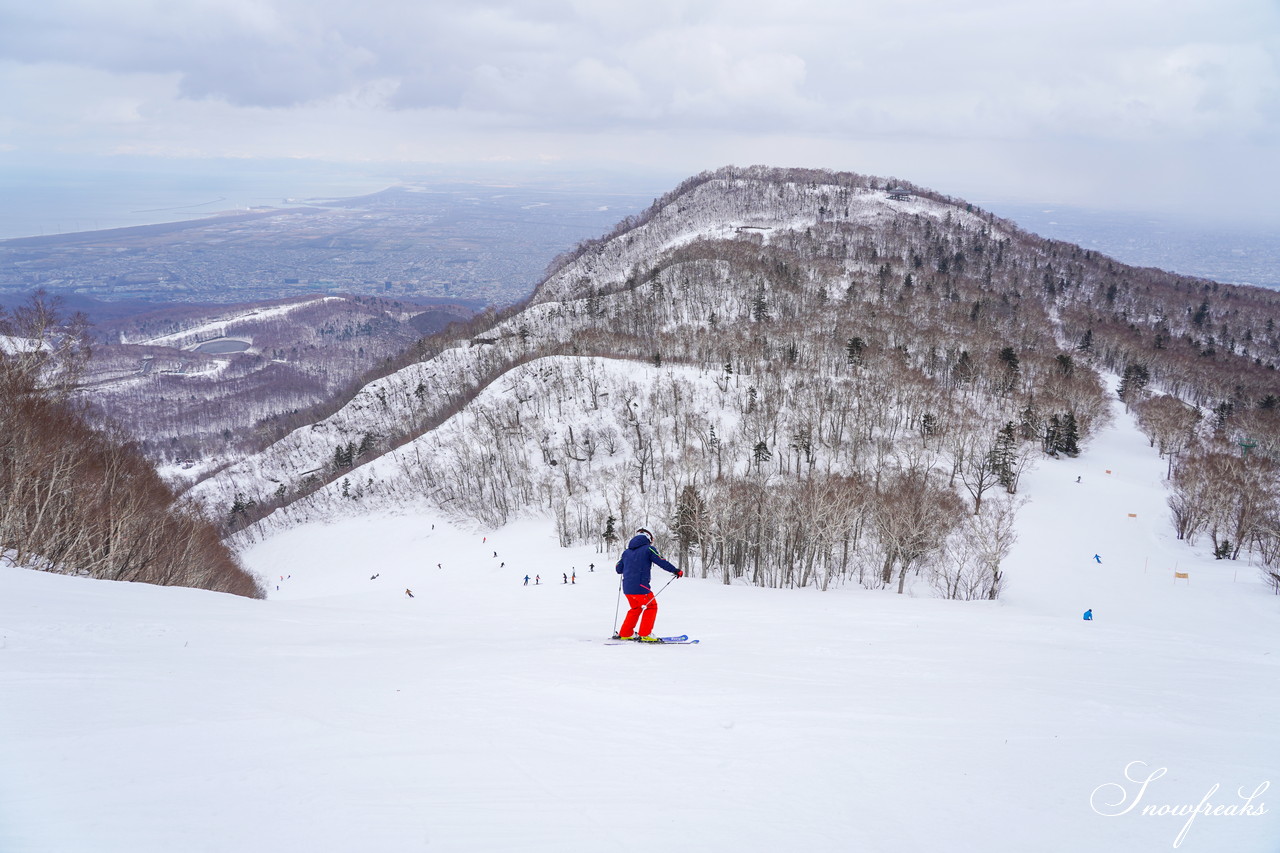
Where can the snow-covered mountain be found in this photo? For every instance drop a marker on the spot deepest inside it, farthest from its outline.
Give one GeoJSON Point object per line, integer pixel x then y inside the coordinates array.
{"type": "Point", "coordinates": [578, 309]}
{"type": "Point", "coordinates": [805, 349]}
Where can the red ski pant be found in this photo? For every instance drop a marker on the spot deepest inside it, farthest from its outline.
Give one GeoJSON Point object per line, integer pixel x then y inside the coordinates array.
{"type": "Point", "coordinates": [644, 609]}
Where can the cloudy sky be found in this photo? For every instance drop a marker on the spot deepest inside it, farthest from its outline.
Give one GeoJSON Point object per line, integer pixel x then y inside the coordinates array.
{"type": "Point", "coordinates": [1135, 104]}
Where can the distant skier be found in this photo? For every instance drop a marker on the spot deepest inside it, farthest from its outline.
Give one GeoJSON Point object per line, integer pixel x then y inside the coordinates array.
{"type": "Point", "coordinates": [591, 568]}
{"type": "Point", "coordinates": [1078, 478]}
{"type": "Point", "coordinates": [374, 577]}
{"type": "Point", "coordinates": [409, 593]}
{"type": "Point", "coordinates": [537, 579]}
{"type": "Point", "coordinates": [526, 580]}
{"type": "Point", "coordinates": [1097, 558]}
{"type": "Point", "coordinates": [1088, 615]}
{"type": "Point", "coordinates": [565, 575]}
{"type": "Point", "coordinates": [635, 566]}
{"type": "Point", "coordinates": [573, 578]}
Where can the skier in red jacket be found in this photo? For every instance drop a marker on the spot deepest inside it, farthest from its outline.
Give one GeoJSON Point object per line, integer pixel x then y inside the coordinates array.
{"type": "Point", "coordinates": [635, 566]}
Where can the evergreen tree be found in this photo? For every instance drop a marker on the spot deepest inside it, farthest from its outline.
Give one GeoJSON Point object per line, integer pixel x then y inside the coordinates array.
{"type": "Point", "coordinates": [1132, 383]}
{"type": "Point", "coordinates": [853, 350]}
{"type": "Point", "coordinates": [1029, 421]}
{"type": "Point", "coordinates": [344, 456]}
{"type": "Point", "coordinates": [1009, 358]}
{"type": "Point", "coordinates": [240, 506]}
{"type": "Point", "coordinates": [1201, 317]}
{"type": "Point", "coordinates": [760, 308]}
{"type": "Point", "coordinates": [1069, 438]}
{"type": "Point", "coordinates": [883, 276]}
{"type": "Point", "coordinates": [1052, 434]}
{"type": "Point", "coordinates": [761, 454]}
{"type": "Point", "coordinates": [1222, 413]}
{"type": "Point", "coordinates": [1002, 456]}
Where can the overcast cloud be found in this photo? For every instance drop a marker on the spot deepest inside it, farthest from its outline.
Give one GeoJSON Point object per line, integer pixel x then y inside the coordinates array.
{"type": "Point", "coordinates": [1146, 104]}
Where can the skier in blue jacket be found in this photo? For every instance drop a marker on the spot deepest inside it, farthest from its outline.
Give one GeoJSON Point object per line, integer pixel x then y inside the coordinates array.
{"type": "Point", "coordinates": [635, 566]}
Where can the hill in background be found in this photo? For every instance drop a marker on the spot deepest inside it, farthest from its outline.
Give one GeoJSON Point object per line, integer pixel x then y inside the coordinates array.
{"type": "Point", "coordinates": [803, 376]}
{"type": "Point", "coordinates": [196, 386]}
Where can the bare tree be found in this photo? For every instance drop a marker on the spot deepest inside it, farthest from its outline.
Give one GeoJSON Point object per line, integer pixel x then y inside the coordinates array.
{"type": "Point", "coordinates": [912, 520]}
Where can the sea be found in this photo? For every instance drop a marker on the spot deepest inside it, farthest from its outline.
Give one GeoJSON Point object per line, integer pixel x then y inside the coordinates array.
{"type": "Point", "coordinates": [42, 201]}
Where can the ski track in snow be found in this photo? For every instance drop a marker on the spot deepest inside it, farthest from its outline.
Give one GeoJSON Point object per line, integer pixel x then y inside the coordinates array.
{"type": "Point", "coordinates": [484, 715]}
{"type": "Point", "coordinates": [217, 327]}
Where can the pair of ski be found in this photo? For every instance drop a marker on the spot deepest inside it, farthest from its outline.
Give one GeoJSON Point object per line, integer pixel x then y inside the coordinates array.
{"type": "Point", "coordinates": [682, 640]}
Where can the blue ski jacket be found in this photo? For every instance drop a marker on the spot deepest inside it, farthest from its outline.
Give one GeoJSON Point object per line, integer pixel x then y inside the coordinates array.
{"type": "Point", "coordinates": [636, 565]}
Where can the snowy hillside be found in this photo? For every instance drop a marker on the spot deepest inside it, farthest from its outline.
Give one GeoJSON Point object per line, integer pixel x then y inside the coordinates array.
{"type": "Point", "coordinates": [793, 324]}
{"type": "Point", "coordinates": [485, 715]}
{"type": "Point", "coordinates": [567, 311]}
{"type": "Point", "coordinates": [731, 205]}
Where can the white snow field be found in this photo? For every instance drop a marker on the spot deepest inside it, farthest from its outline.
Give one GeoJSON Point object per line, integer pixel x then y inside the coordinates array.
{"type": "Point", "coordinates": [484, 715]}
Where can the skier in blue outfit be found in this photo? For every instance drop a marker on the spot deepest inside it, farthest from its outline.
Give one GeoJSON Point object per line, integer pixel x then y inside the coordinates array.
{"type": "Point", "coordinates": [636, 566]}
{"type": "Point", "coordinates": [1088, 615]}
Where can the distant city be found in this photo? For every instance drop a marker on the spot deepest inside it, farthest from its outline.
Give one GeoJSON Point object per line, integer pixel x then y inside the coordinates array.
{"type": "Point", "coordinates": [1232, 255]}
{"type": "Point", "coordinates": [243, 238]}
{"type": "Point", "coordinates": [482, 244]}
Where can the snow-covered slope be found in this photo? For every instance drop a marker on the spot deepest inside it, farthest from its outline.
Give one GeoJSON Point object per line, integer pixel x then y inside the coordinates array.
{"type": "Point", "coordinates": [731, 202]}
{"type": "Point", "coordinates": [486, 715]}
{"type": "Point", "coordinates": [751, 207]}
{"type": "Point", "coordinates": [209, 329]}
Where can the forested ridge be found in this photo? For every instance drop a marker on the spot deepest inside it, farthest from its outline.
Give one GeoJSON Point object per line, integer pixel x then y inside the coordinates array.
{"type": "Point", "coordinates": [80, 500]}
{"type": "Point", "coordinates": [803, 378]}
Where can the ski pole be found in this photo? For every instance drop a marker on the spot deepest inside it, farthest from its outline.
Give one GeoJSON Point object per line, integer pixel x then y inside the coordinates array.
{"type": "Point", "coordinates": [617, 605]}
